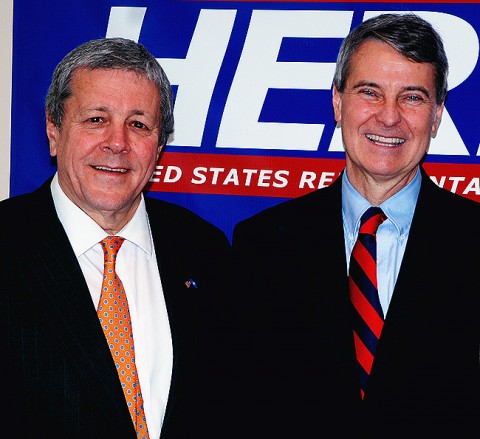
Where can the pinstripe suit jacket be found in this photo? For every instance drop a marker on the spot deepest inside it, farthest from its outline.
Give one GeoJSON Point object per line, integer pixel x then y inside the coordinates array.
{"type": "Point", "coordinates": [62, 382]}
{"type": "Point", "coordinates": [425, 378]}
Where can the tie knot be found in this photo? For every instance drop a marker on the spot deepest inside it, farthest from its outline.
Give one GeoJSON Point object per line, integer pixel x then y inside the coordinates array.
{"type": "Point", "coordinates": [111, 245]}
{"type": "Point", "coordinates": [371, 220]}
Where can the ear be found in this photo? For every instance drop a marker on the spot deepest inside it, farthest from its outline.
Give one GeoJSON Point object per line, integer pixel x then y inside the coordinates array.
{"type": "Point", "coordinates": [437, 118]}
{"type": "Point", "coordinates": [337, 104]}
{"type": "Point", "coordinates": [159, 150]}
{"type": "Point", "coordinates": [53, 135]}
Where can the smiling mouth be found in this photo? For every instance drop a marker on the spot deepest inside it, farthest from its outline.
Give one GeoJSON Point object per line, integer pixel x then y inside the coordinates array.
{"type": "Point", "coordinates": [116, 170]}
{"type": "Point", "coordinates": [385, 141]}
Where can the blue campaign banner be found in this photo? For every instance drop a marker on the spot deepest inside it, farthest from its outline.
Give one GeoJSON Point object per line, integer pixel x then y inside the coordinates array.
{"type": "Point", "coordinates": [252, 80]}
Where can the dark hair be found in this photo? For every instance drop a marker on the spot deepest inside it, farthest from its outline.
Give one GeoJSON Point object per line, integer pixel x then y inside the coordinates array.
{"type": "Point", "coordinates": [410, 35]}
{"type": "Point", "coordinates": [110, 53]}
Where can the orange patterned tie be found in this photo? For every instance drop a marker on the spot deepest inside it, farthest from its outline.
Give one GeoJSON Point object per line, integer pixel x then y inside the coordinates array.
{"type": "Point", "coordinates": [114, 317]}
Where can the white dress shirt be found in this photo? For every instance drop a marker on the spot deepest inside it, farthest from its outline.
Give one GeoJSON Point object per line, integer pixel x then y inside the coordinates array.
{"type": "Point", "coordinates": [137, 268]}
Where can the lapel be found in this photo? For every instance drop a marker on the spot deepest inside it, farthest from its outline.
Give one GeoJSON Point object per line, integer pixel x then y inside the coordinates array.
{"type": "Point", "coordinates": [187, 250]}
{"type": "Point", "coordinates": [305, 261]}
{"type": "Point", "coordinates": [171, 267]}
{"type": "Point", "coordinates": [187, 247]}
{"type": "Point", "coordinates": [333, 313]}
{"type": "Point", "coordinates": [413, 294]}
{"type": "Point", "coordinates": [179, 258]}
{"type": "Point", "coordinates": [319, 226]}
{"type": "Point", "coordinates": [61, 293]}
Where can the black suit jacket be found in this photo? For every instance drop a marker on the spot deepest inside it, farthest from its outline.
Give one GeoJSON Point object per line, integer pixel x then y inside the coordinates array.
{"type": "Point", "coordinates": [61, 379]}
{"type": "Point", "coordinates": [302, 369]}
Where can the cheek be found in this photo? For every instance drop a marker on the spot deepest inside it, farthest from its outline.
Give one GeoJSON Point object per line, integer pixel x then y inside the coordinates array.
{"type": "Point", "coordinates": [148, 152]}
{"type": "Point", "coordinates": [357, 112]}
{"type": "Point", "coordinates": [145, 159]}
{"type": "Point", "coordinates": [71, 151]}
{"type": "Point", "coordinates": [422, 127]}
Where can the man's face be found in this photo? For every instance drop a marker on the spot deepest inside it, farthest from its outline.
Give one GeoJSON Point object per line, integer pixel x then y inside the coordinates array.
{"type": "Point", "coordinates": [107, 147]}
{"type": "Point", "coordinates": [387, 113]}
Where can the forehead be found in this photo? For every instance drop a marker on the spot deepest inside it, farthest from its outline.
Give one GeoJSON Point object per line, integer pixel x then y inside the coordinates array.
{"type": "Point", "coordinates": [376, 60]}
{"type": "Point", "coordinates": [84, 79]}
{"type": "Point", "coordinates": [85, 72]}
{"type": "Point", "coordinates": [115, 88]}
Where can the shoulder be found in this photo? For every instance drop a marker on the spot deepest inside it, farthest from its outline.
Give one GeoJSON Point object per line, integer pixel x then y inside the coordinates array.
{"type": "Point", "coordinates": [438, 199]}
{"type": "Point", "coordinates": [16, 203]}
{"type": "Point", "coordinates": [168, 213]}
{"type": "Point", "coordinates": [446, 217]}
{"type": "Point", "coordinates": [27, 209]}
{"type": "Point", "coordinates": [302, 212]}
{"type": "Point", "coordinates": [187, 245]}
{"type": "Point", "coordinates": [178, 223]}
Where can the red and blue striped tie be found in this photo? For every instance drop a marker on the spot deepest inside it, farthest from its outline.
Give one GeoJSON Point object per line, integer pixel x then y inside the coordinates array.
{"type": "Point", "coordinates": [368, 314]}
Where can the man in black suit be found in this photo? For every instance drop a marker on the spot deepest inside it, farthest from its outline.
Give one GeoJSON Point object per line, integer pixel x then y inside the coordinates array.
{"type": "Point", "coordinates": [108, 116]}
{"type": "Point", "coordinates": [389, 92]}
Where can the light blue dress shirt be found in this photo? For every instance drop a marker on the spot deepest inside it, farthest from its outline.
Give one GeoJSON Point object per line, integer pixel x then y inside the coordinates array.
{"type": "Point", "coordinates": [391, 235]}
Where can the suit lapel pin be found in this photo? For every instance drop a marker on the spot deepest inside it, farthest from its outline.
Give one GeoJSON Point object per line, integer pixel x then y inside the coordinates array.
{"type": "Point", "coordinates": [191, 283]}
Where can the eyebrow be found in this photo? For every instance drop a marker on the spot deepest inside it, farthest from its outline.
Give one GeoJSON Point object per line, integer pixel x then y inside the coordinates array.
{"type": "Point", "coordinates": [102, 108]}
{"type": "Point", "coordinates": [418, 88]}
{"type": "Point", "coordinates": [409, 88]}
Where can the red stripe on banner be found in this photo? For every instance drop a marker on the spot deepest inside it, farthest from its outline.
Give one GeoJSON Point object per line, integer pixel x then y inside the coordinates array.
{"type": "Point", "coordinates": [284, 177]}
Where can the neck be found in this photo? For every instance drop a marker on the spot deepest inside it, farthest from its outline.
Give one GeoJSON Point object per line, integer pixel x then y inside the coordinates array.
{"type": "Point", "coordinates": [377, 189]}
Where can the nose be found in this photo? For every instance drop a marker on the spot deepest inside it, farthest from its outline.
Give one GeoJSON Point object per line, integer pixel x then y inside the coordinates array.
{"type": "Point", "coordinates": [389, 113]}
{"type": "Point", "coordinates": [117, 139]}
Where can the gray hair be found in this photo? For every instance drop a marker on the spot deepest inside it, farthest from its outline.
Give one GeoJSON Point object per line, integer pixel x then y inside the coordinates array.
{"type": "Point", "coordinates": [110, 53]}
{"type": "Point", "coordinates": [410, 35]}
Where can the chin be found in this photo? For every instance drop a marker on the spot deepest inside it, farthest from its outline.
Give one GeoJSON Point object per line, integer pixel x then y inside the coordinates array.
{"type": "Point", "coordinates": [109, 202]}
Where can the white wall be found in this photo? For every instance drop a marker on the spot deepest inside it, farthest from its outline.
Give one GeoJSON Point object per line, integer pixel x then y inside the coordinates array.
{"type": "Point", "coordinates": [6, 32]}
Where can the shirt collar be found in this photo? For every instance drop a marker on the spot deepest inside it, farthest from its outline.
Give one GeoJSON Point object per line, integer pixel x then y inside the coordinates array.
{"type": "Point", "coordinates": [399, 208]}
{"type": "Point", "coordinates": [83, 232]}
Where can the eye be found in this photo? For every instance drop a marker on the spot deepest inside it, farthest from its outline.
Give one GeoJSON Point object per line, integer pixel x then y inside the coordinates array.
{"type": "Point", "coordinates": [139, 125]}
{"type": "Point", "coordinates": [368, 93]}
{"type": "Point", "coordinates": [95, 119]}
{"type": "Point", "coordinates": [414, 99]}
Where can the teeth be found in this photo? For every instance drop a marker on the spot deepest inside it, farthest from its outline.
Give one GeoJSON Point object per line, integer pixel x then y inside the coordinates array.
{"type": "Point", "coordinates": [385, 140]}
{"type": "Point", "coordinates": [104, 168]}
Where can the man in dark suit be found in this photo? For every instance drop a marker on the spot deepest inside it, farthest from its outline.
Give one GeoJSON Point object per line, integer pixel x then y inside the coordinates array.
{"type": "Point", "coordinates": [109, 114]}
{"type": "Point", "coordinates": [303, 378]}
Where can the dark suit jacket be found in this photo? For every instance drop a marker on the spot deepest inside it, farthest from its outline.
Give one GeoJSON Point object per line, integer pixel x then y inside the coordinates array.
{"type": "Point", "coordinates": [302, 369]}
{"type": "Point", "coordinates": [61, 379]}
